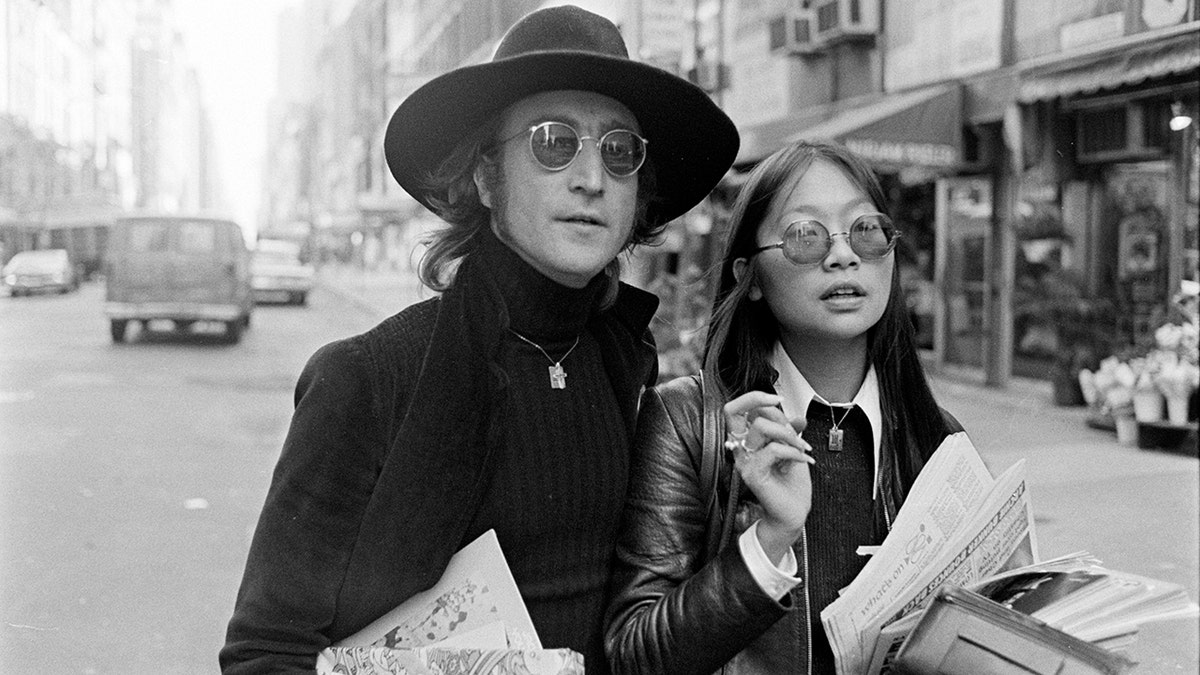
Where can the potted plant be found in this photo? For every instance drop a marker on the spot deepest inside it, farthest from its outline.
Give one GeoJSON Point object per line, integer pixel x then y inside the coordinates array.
{"type": "Point", "coordinates": [1058, 322]}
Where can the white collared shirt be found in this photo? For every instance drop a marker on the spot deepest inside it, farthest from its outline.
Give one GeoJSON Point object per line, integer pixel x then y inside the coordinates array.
{"type": "Point", "coordinates": [797, 394]}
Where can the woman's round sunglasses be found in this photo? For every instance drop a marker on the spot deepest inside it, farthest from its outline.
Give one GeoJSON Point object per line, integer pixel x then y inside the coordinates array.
{"type": "Point", "coordinates": [807, 242]}
{"type": "Point", "coordinates": [554, 145]}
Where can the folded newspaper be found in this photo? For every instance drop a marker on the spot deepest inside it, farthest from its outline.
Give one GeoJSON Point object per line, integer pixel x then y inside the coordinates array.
{"type": "Point", "coordinates": [472, 622]}
{"type": "Point", "coordinates": [958, 526]}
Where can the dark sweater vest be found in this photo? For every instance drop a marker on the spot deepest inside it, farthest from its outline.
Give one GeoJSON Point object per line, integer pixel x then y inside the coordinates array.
{"type": "Point", "coordinates": [841, 516]}
{"type": "Point", "coordinates": [559, 483]}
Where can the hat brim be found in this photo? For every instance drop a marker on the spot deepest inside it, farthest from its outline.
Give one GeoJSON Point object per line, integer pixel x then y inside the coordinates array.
{"type": "Point", "coordinates": [692, 143]}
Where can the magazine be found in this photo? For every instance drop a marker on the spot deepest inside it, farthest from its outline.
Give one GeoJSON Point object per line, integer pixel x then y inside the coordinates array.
{"type": "Point", "coordinates": [1072, 593]}
{"type": "Point", "coordinates": [472, 622]}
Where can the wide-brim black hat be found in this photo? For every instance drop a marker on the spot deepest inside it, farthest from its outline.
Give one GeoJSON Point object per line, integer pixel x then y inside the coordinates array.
{"type": "Point", "coordinates": [691, 141]}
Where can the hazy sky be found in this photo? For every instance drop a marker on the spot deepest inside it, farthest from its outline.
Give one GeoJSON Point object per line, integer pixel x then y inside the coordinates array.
{"type": "Point", "coordinates": [232, 43]}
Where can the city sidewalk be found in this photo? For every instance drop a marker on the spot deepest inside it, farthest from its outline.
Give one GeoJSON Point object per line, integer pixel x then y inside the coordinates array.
{"type": "Point", "coordinates": [381, 292]}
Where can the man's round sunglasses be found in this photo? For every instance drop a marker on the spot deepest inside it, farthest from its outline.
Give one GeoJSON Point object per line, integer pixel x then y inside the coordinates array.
{"type": "Point", "coordinates": [807, 242]}
{"type": "Point", "coordinates": [555, 145]}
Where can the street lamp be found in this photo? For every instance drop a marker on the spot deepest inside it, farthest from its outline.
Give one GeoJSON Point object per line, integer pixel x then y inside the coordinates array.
{"type": "Point", "coordinates": [1179, 119]}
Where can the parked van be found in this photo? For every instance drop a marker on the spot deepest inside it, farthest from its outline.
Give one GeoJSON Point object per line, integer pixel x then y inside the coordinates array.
{"type": "Point", "coordinates": [180, 268]}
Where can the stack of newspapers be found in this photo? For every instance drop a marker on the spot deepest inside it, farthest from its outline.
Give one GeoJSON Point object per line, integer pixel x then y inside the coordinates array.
{"type": "Point", "coordinates": [472, 622]}
{"type": "Point", "coordinates": [959, 527]}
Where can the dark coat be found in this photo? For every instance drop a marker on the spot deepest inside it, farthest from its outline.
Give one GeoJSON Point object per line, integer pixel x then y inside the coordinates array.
{"type": "Point", "coordinates": [383, 464]}
{"type": "Point", "coordinates": [676, 606]}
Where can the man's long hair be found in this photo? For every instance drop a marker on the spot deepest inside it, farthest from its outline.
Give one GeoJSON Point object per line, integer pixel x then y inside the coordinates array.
{"type": "Point", "coordinates": [742, 333]}
{"type": "Point", "coordinates": [456, 201]}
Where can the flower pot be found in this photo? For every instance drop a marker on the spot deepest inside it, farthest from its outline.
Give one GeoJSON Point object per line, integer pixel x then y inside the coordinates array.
{"type": "Point", "coordinates": [1148, 405]}
{"type": "Point", "coordinates": [1127, 430]}
{"type": "Point", "coordinates": [1065, 386]}
{"type": "Point", "coordinates": [1177, 409]}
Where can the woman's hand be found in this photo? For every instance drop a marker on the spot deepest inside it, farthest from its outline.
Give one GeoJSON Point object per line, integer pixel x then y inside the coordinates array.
{"type": "Point", "coordinates": [773, 462]}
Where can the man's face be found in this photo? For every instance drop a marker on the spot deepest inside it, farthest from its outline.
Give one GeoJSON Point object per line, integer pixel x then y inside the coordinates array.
{"type": "Point", "coordinates": [568, 224]}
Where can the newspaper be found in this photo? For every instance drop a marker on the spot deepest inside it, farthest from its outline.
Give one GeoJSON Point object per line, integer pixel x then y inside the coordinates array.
{"type": "Point", "coordinates": [473, 621]}
{"type": "Point", "coordinates": [957, 526]}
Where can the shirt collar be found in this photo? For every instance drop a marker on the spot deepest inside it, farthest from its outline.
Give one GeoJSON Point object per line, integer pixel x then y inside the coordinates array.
{"type": "Point", "coordinates": [797, 393]}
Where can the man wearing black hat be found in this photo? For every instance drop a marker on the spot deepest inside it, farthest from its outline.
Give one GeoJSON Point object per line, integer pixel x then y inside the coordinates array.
{"type": "Point", "coordinates": [509, 401]}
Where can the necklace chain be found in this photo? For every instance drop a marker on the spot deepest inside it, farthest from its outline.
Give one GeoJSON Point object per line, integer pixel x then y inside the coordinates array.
{"type": "Point", "coordinates": [558, 376]}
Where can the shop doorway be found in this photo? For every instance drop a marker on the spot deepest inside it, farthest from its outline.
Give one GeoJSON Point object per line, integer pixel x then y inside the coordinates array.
{"type": "Point", "coordinates": [964, 216]}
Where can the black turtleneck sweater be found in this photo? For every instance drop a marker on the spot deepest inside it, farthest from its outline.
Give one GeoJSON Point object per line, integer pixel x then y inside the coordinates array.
{"type": "Point", "coordinates": [556, 494]}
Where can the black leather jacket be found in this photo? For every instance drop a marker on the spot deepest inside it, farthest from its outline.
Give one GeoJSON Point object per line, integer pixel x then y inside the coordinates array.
{"type": "Point", "coordinates": [683, 601]}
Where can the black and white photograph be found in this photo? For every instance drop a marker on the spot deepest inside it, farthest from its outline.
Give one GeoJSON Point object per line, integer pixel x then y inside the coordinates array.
{"type": "Point", "coordinates": [600, 337]}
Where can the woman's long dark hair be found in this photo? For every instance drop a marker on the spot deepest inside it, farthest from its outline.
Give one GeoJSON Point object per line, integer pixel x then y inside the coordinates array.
{"type": "Point", "coordinates": [742, 333]}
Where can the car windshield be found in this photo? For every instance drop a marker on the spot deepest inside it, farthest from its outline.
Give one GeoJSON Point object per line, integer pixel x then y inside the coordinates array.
{"type": "Point", "coordinates": [30, 261]}
{"type": "Point", "coordinates": [277, 253]}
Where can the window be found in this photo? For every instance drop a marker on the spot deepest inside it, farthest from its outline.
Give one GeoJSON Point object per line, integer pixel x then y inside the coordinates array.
{"type": "Point", "coordinates": [197, 237]}
{"type": "Point", "coordinates": [146, 237]}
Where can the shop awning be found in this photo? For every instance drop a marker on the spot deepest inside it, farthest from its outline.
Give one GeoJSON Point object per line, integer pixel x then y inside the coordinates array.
{"type": "Point", "coordinates": [919, 128]}
{"type": "Point", "coordinates": [1115, 66]}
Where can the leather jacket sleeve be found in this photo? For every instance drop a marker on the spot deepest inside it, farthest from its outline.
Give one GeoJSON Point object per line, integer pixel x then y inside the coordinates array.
{"type": "Point", "coordinates": [671, 610]}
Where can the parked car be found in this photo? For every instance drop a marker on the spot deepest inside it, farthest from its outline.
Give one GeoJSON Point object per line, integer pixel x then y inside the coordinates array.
{"type": "Point", "coordinates": [278, 275]}
{"type": "Point", "coordinates": [180, 268]}
{"type": "Point", "coordinates": [38, 271]}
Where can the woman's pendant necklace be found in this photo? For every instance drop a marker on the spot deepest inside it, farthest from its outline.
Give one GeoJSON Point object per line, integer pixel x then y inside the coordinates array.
{"type": "Point", "coordinates": [558, 376]}
{"type": "Point", "coordinates": [835, 433]}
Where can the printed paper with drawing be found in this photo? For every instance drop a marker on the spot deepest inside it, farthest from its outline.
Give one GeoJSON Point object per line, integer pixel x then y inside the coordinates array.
{"type": "Point", "coordinates": [476, 589]}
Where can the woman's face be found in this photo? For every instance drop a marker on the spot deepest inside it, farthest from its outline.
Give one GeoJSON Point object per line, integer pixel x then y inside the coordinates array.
{"type": "Point", "coordinates": [843, 296]}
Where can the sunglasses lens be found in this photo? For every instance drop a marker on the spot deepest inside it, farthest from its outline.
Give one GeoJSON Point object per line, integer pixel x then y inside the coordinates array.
{"type": "Point", "coordinates": [872, 236]}
{"type": "Point", "coordinates": [554, 145]}
{"type": "Point", "coordinates": [806, 242]}
{"type": "Point", "coordinates": [622, 152]}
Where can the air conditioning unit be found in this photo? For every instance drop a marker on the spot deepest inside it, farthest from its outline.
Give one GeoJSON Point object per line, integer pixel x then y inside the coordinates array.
{"type": "Point", "coordinates": [793, 33]}
{"type": "Point", "coordinates": [837, 20]}
{"type": "Point", "coordinates": [710, 76]}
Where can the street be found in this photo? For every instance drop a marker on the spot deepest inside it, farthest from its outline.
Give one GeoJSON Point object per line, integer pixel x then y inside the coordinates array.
{"type": "Point", "coordinates": [131, 477]}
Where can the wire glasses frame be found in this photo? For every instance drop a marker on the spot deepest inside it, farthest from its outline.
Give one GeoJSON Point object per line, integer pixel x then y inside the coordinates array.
{"type": "Point", "coordinates": [555, 145]}
{"type": "Point", "coordinates": [807, 242]}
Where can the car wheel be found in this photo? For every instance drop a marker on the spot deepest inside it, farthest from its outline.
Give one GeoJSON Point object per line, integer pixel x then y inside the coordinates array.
{"type": "Point", "coordinates": [117, 328]}
{"type": "Point", "coordinates": [233, 331]}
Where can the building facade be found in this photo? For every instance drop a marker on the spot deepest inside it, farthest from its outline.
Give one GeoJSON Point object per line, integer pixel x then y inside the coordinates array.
{"type": "Point", "coordinates": [99, 113]}
{"type": "Point", "coordinates": [1027, 147]}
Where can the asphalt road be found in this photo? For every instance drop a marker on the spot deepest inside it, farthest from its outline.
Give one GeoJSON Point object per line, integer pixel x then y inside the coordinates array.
{"type": "Point", "coordinates": [131, 477]}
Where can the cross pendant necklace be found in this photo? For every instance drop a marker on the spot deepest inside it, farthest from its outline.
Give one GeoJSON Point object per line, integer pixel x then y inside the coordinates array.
{"type": "Point", "coordinates": [558, 376]}
{"type": "Point", "coordinates": [836, 434]}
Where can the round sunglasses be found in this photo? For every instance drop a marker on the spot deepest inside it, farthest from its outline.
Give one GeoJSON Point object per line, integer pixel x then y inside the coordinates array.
{"type": "Point", "coordinates": [807, 242]}
{"type": "Point", "coordinates": [554, 145]}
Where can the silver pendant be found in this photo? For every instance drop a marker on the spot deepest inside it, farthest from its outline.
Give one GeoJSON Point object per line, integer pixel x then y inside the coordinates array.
{"type": "Point", "coordinates": [558, 376]}
{"type": "Point", "coordinates": [835, 440]}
